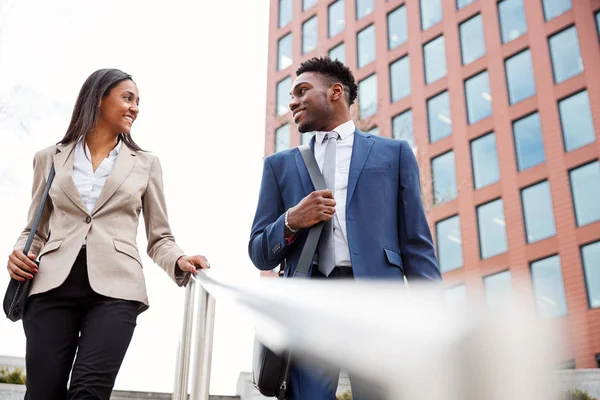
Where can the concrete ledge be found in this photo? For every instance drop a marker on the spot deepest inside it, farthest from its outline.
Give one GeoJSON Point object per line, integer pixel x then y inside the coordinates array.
{"type": "Point", "coordinates": [587, 380]}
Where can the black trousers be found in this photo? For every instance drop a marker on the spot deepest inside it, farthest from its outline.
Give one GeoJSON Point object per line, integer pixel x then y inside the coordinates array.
{"type": "Point", "coordinates": [73, 319]}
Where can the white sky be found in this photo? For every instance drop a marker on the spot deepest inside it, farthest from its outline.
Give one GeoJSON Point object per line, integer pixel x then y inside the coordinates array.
{"type": "Point", "coordinates": [201, 69]}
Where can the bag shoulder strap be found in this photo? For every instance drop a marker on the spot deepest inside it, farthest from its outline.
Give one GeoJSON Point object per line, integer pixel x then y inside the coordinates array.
{"type": "Point", "coordinates": [40, 210]}
{"type": "Point", "coordinates": [310, 246]}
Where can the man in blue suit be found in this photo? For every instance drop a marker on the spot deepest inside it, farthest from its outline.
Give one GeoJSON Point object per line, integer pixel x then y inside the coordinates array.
{"type": "Point", "coordinates": [374, 222]}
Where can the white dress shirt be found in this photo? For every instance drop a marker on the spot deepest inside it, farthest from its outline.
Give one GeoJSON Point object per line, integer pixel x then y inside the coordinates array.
{"type": "Point", "coordinates": [342, 169]}
{"type": "Point", "coordinates": [90, 183]}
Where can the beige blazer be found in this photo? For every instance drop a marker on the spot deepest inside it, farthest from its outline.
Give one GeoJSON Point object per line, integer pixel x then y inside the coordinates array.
{"type": "Point", "coordinates": [113, 261]}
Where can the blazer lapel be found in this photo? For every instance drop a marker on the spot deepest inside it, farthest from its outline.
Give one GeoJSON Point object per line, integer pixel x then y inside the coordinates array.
{"type": "Point", "coordinates": [302, 171]}
{"type": "Point", "coordinates": [120, 172]}
{"type": "Point", "coordinates": [360, 151]}
{"type": "Point", "coordinates": [63, 165]}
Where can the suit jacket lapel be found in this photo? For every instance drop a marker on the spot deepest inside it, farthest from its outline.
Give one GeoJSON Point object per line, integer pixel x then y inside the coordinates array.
{"type": "Point", "coordinates": [303, 172]}
{"type": "Point", "coordinates": [63, 165]}
{"type": "Point", "coordinates": [360, 151]}
{"type": "Point", "coordinates": [120, 172]}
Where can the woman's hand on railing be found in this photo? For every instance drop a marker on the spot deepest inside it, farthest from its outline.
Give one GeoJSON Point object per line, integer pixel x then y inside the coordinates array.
{"type": "Point", "coordinates": [191, 263]}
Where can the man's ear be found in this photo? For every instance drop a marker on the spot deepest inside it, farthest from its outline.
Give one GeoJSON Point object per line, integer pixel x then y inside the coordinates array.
{"type": "Point", "coordinates": [337, 92]}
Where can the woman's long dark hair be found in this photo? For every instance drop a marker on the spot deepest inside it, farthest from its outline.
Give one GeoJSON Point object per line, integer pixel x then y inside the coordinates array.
{"type": "Point", "coordinates": [85, 112]}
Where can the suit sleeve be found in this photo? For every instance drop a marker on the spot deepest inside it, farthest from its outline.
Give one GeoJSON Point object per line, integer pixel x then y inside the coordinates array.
{"type": "Point", "coordinates": [267, 246]}
{"type": "Point", "coordinates": [416, 244]}
{"type": "Point", "coordinates": [162, 248]}
{"type": "Point", "coordinates": [37, 191]}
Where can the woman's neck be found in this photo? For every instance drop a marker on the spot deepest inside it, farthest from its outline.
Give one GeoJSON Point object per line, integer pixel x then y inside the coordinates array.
{"type": "Point", "coordinates": [101, 142]}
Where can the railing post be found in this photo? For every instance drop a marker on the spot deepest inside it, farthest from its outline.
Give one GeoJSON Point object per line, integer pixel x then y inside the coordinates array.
{"type": "Point", "coordinates": [203, 346]}
{"type": "Point", "coordinates": [182, 372]}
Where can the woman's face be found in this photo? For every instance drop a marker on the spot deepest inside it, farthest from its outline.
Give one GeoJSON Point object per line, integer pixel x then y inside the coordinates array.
{"type": "Point", "coordinates": [119, 108]}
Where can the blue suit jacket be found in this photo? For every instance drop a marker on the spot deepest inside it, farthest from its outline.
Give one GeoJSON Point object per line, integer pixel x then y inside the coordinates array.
{"type": "Point", "coordinates": [387, 231]}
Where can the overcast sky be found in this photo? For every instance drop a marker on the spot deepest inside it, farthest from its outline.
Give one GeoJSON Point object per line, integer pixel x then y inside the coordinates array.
{"type": "Point", "coordinates": [192, 62]}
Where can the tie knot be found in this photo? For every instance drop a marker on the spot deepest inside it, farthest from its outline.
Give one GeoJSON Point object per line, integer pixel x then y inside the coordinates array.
{"type": "Point", "coordinates": [331, 135]}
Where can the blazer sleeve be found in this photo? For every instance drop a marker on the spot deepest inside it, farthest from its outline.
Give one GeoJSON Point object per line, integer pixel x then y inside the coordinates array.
{"type": "Point", "coordinates": [416, 244]}
{"type": "Point", "coordinates": [37, 191]}
{"type": "Point", "coordinates": [267, 246]}
{"type": "Point", "coordinates": [162, 248]}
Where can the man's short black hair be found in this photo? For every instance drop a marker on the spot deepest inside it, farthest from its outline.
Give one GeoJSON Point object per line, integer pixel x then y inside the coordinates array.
{"type": "Point", "coordinates": [334, 72]}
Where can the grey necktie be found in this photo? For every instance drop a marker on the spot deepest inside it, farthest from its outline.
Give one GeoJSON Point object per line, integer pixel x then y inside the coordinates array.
{"type": "Point", "coordinates": [326, 248]}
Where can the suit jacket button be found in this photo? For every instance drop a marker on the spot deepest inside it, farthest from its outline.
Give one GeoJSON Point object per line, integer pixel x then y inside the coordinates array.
{"type": "Point", "coordinates": [88, 219]}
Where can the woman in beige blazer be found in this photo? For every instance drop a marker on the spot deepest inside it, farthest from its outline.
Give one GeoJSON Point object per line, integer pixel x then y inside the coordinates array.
{"type": "Point", "coordinates": [89, 288]}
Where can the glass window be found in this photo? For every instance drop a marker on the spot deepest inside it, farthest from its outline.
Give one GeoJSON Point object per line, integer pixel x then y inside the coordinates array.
{"type": "Point", "coordinates": [598, 27]}
{"type": "Point", "coordinates": [339, 53]}
{"type": "Point", "coordinates": [397, 27]}
{"type": "Point", "coordinates": [284, 87]}
{"type": "Point", "coordinates": [363, 8]}
{"type": "Point", "coordinates": [576, 121]}
{"type": "Point", "coordinates": [285, 12]}
{"type": "Point", "coordinates": [337, 18]}
{"type": "Point", "coordinates": [492, 229]}
{"type": "Point", "coordinates": [366, 46]}
{"type": "Point", "coordinates": [519, 77]}
{"type": "Point", "coordinates": [449, 244]}
{"type": "Point", "coordinates": [309, 35]}
{"type": "Point", "coordinates": [498, 290]}
{"type": "Point", "coordinates": [590, 255]}
{"type": "Point", "coordinates": [305, 137]}
{"type": "Point", "coordinates": [548, 287]}
{"type": "Point", "coordinates": [479, 100]}
{"type": "Point", "coordinates": [512, 19]}
{"type": "Point", "coordinates": [367, 96]}
{"type": "Point", "coordinates": [438, 117]}
{"type": "Point", "coordinates": [400, 78]}
{"type": "Point", "coordinates": [456, 298]}
{"type": "Point", "coordinates": [282, 138]}
{"type": "Point", "coordinates": [484, 156]}
{"type": "Point", "coordinates": [402, 127]}
{"type": "Point", "coordinates": [444, 178]}
{"type": "Point", "coordinates": [565, 54]}
{"type": "Point", "coordinates": [463, 3]}
{"type": "Point", "coordinates": [585, 187]}
{"type": "Point", "coordinates": [306, 4]}
{"type": "Point", "coordinates": [538, 212]}
{"type": "Point", "coordinates": [554, 8]}
{"type": "Point", "coordinates": [431, 13]}
{"type": "Point", "coordinates": [374, 131]}
{"type": "Point", "coordinates": [284, 53]}
{"type": "Point", "coordinates": [434, 54]}
{"type": "Point", "coordinates": [472, 44]}
{"type": "Point", "coordinates": [528, 141]}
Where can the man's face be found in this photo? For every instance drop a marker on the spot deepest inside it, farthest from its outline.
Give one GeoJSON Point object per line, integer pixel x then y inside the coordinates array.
{"type": "Point", "coordinates": [310, 103]}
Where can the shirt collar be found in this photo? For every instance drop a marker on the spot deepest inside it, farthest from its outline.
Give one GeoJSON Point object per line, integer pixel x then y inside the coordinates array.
{"type": "Point", "coordinates": [344, 130]}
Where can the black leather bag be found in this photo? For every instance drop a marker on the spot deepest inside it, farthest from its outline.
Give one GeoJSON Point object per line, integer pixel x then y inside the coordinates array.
{"type": "Point", "coordinates": [17, 292]}
{"type": "Point", "coordinates": [270, 370]}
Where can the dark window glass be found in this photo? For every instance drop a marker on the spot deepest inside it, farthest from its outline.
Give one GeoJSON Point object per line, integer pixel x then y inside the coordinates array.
{"type": "Point", "coordinates": [449, 244]}
{"type": "Point", "coordinates": [431, 13]}
{"type": "Point", "coordinates": [337, 18]}
{"type": "Point", "coordinates": [479, 100]}
{"type": "Point", "coordinates": [585, 187]}
{"type": "Point", "coordinates": [402, 127]}
{"type": "Point", "coordinates": [367, 96]}
{"type": "Point", "coordinates": [554, 8]}
{"type": "Point", "coordinates": [444, 178]}
{"type": "Point", "coordinates": [492, 229]}
{"type": "Point", "coordinates": [434, 54]}
{"type": "Point", "coordinates": [565, 55]}
{"type": "Point", "coordinates": [484, 156]}
{"type": "Point", "coordinates": [576, 121]}
{"type": "Point", "coordinates": [366, 46]}
{"type": "Point", "coordinates": [519, 77]}
{"type": "Point", "coordinates": [590, 255]}
{"type": "Point", "coordinates": [528, 141]}
{"type": "Point", "coordinates": [472, 43]}
{"type": "Point", "coordinates": [512, 19]}
{"type": "Point", "coordinates": [397, 27]}
{"type": "Point", "coordinates": [438, 116]}
{"type": "Point", "coordinates": [400, 79]}
{"type": "Point", "coordinates": [284, 54]}
{"type": "Point", "coordinates": [285, 12]}
{"type": "Point", "coordinates": [283, 95]}
{"type": "Point", "coordinates": [310, 35]}
{"type": "Point", "coordinates": [548, 287]}
{"type": "Point", "coordinates": [538, 212]}
{"type": "Point", "coordinates": [338, 53]}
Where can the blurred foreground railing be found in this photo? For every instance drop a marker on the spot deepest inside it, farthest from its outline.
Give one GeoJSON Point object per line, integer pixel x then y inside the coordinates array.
{"type": "Point", "coordinates": [405, 344]}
